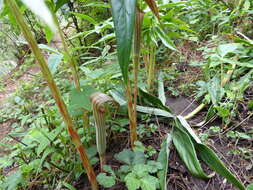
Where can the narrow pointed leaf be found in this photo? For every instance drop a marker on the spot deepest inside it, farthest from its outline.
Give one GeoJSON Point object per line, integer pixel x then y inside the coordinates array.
{"type": "Point", "coordinates": [163, 158]}
{"type": "Point", "coordinates": [209, 156]}
{"type": "Point", "coordinates": [152, 5]}
{"type": "Point", "coordinates": [186, 150]}
{"type": "Point", "coordinates": [212, 160]}
{"type": "Point", "coordinates": [161, 93]}
{"type": "Point", "coordinates": [39, 8]}
{"type": "Point", "coordinates": [123, 12]}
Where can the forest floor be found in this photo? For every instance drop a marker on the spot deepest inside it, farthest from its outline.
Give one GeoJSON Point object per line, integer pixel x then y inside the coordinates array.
{"type": "Point", "coordinates": [10, 87]}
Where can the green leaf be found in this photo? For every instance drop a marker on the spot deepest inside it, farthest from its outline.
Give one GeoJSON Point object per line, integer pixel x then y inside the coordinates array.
{"type": "Point", "coordinates": [48, 151]}
{"type": "Point", "coordinates": [165, 38]}
{"type": "Point", "coordinates": [186, 150]}
{"type": "Point", "coordinates": [80, 100]}
{"type": "Point", "coordinates": [49, 34]}
{"type": "Point", "coordinates": [47, 48]}
{"type": "Point", "coordinates": [59, 4]}
{"type": "Point", "coordinates": [54, 61]}
{"type": "Point", "coordinates": [250, 187]}
{"type": "Point", "coordinates": [13, 180]}
{"type": "Point", "coordinates": [123, 12]}
{"type": "Point", "coordinates": [215, 90]}
{"type": "Point", "coordinates": [149, 182]}
{"type": "Point", "coordinates": [85, 17]}
{"type": "Point", "coordinates": [152, 101]}
{"type": "Point", "coordinates": [67, 185]}
{"type": "Point", "coordinates": [163, 158]}
{"type": "Point", "coordinates": [39, 8]}
{"type": "Point", "coordinates": [210, 158]}
{"type": "Point", "coordinates": [105, 181]}
{"type": "Point", "coordinates": [224, 49]}
{"type": "Point", "coordinates": [154, 111]}
{"type": "Point", "coordinates": [129, 157]}
{"type": "Point", "coordinates": [109, 170]}
{"type": "Point", "coordinates": [132, 182]}
{"type": "Point", "coordinates": [161, 93]}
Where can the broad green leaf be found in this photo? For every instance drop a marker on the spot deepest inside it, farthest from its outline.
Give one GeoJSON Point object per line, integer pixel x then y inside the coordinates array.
{"type": "Point", "coordinates": [39, 8]}
{"type": "Point", "coordinates": [123, 12]}
{"type": "Point", "coordinates": [149, 182]}
{"type": "Point", "coordinates": [250, 187]}
{"type": "Point", "coordinates": [129, 157]}
{"type": "Point", "coordinates": [161, 93]}
{"type": "Point", "coordinates": [241, 64]}
{"type": "Point", "coordinates": [208, 156]}
{"type": "Point", "coordinates": [13, 180]}
{"type": "Point", "coordinates": [108, 169]}
{"type": "Point", "coordinates": [152, 101]}
{"type": "Point", "coordinates": [224, 49]}
{"type": "Point", "coordinates": [54, 61]}
{"type": "Point", "coordinates": [163, 158]}
{"type": "Point", "coordinates": [80, 100]}
{"type": "Point", "coordinates": [154, 111]}
{"type": "Point", "coordinates": [85, 17]}
{"type": "Point", "coordinates": [186, 150]}
{"type": "Point", "coordinates": [132, 182]}
{"type": "Point", "coordinates": [105, 181]}
{"type": "Point", "coordinates": [188, 128]}
{"type": "Point", "coordinates": [212, 160]}
{"type": "Point", "coordinates": [215, 90]}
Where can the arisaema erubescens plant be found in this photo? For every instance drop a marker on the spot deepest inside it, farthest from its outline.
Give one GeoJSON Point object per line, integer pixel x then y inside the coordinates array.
{"type": "Point", "coordinates": [40, 8]}
{"type": "Point", "coordinates": [128, 18]}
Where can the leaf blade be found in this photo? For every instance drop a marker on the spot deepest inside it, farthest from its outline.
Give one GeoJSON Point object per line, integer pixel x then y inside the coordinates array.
{"type": "Point", "coordinates": [123, 12]}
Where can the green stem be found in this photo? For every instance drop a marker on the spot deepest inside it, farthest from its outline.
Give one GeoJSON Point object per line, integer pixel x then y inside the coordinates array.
{"type": "Point", "coordinates": [54, 90]}
{"type": "Point", "coordinates": [70, 59]}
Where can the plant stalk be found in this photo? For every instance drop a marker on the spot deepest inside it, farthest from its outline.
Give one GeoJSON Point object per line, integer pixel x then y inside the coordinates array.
{"type": "Point", "coordinates": [131, 114]}
{"type": "Point", "coordinates": [54, 90]}
{"type": "Point", "coordinates": [136, 54]}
